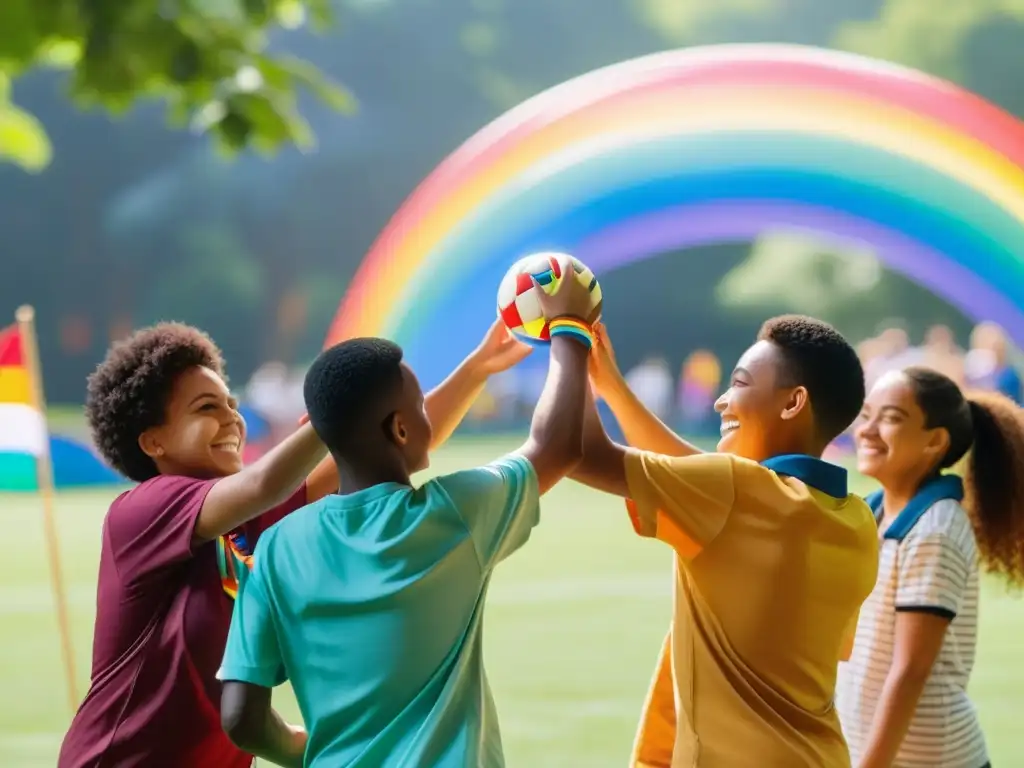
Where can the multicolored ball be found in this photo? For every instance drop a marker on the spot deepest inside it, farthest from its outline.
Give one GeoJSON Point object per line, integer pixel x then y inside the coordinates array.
{"type": "Point", "coordinates": [518, 303]}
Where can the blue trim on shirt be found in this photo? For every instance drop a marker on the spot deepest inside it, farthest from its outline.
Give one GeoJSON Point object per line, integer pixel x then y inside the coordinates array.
{"type": "Point", "coordinates": [825, 477]}
{"type": "Point", "coordinates": [932, 492]}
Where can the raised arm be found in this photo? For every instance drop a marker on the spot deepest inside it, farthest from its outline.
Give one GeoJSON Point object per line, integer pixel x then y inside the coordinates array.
{"type": "Point", "coordinates": [641, 427]}
{"type": "Point", "coordinates": [682, 500]}
{"type": "Point", "coordinates": [239, 498]}
{"type": "Point", "coordinates": [449, 402]}
{"type": "Point", "coordinates": [555, 444]}
{"type": "Point", "coordinates": [603, 466]}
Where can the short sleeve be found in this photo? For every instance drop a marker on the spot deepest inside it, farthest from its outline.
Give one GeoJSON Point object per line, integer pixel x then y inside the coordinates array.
{"type": "Point", "coordinates": [153, 525]}
{"type": "Point", "coordinates": [684, 502]}
{"type": "Point", "coordinates": [253, 654]}
{"type": "Point", "coordinates": [932, 575]}
{"type": "Point", "coordinates": [500, 504]}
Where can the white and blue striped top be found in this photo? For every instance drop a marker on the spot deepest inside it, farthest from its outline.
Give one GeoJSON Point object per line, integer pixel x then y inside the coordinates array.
{"type": "Point", "coordinates": [928, 562]}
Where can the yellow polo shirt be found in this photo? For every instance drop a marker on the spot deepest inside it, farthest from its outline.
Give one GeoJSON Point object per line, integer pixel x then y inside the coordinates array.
{"type": "Point", "coordinates": [770, 574]}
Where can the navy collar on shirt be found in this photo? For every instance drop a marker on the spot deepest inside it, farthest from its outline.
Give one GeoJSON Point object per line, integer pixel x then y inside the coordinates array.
{"type": "Point", "coordinates": [825, 477]}
{"type": "Point", "coordinates": [935, 490]}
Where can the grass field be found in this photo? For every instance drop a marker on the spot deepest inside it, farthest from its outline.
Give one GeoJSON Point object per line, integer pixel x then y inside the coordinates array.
{"type": "Point", "coordinates": [573, 626]}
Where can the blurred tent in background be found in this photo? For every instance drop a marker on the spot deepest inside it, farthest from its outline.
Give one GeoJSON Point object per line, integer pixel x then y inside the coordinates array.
{"type": "Point", "coordinates": [75, 465]}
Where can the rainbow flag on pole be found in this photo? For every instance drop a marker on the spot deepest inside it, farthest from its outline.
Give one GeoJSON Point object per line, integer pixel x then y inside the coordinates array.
{"type": "Point", "coordinates": [23, 434]}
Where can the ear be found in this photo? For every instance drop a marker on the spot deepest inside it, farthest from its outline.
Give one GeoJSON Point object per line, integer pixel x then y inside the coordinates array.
{"type": "Point", "coordinates": [796, 403]}
{"type": "Point", "coordinates": [399, 431]}
{"type": "Point", "coordinates": [149, 442]}
{"type": "Point", "coordinates": [937, 444]}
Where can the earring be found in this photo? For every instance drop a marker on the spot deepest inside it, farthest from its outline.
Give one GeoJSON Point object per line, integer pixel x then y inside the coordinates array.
{"type": "Point", "coordinates": [159, 451]}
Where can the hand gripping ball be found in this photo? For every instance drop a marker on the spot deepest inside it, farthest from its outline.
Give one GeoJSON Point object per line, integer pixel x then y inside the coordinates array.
{"type": "Point", "coordinates": [518, 305]}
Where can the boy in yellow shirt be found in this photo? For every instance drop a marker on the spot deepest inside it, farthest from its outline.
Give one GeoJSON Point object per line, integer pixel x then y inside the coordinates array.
{"type": "Point", "coordinates": [773, 555]}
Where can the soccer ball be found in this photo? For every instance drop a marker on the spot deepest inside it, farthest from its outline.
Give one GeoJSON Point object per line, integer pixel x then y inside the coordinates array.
{"type": "Point", "coordinates": [518, 305]}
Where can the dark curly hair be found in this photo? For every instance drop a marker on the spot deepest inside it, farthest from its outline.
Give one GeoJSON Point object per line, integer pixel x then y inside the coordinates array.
{"type": "Point", "coordinates": [349, 389]}
{"type": "Point", "coordinates": [991, 428]}
{"type": "Point", "coordinates": [127, 393]}
{"type": "Point", "coordinates": [818, 357]}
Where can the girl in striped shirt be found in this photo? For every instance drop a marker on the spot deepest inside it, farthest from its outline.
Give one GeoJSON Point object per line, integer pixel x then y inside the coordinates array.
{"type": "Point", "coordinates": [902, 696]}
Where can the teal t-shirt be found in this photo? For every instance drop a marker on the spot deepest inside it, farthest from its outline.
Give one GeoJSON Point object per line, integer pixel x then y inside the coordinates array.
{"type": "Point", "coordinates": [371, 604]}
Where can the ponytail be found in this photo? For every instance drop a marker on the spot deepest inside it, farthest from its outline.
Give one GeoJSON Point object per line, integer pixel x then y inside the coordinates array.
{"type": "Point", "coordinates": [994, 481]}
{"type": "Point", "coordinates": [986, 442]}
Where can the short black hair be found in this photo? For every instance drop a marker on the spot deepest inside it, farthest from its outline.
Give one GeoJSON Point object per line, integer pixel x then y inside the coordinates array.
{"type": "Point", "coordinates": [349, 386]}
{"type": "Point", "coordinates": [128, 392]}
{"type": "Point", "coordinates": [816, 356]}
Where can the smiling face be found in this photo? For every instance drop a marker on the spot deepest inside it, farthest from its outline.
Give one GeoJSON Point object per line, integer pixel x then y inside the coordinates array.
{"type": "Point", "coordinates": [203, 433]}
{"type": "Point", "coordinates": [760, 418]}
{"type": "Point", "coordinates": [894, 444]}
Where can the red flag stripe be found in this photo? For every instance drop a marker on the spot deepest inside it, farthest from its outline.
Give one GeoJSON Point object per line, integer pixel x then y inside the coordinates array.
{"type": "Point", "coordinates": [10, 347]}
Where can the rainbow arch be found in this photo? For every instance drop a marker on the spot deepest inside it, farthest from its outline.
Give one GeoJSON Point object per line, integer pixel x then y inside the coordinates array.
{"type": "Point", "coordinates": [701, 146]}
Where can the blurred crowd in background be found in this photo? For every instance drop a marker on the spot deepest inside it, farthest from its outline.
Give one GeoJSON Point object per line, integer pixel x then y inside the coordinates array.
{"type": "Point", "coordinates": [685, 398]}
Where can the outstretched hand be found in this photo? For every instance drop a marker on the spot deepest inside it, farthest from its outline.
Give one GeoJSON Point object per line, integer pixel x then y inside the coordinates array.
{"type": "Point", "coordinates": [604, 371]}
{"type": "Point", "coordinates": [499, 350]}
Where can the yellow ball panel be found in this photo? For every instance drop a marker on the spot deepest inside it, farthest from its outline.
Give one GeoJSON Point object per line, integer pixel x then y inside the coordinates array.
{"type": "Point", "coordinates": [534, 327]}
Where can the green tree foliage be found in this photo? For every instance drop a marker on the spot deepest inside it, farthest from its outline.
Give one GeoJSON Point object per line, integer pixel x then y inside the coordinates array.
{"type": "Point", "coordinates": [206, 59]}
{"type": "Point", "coordinates": [703, 22]}
{"type": "Point", "coordinates": [22, 139]}
{"type": "Point", "coordinates": [976, 44]}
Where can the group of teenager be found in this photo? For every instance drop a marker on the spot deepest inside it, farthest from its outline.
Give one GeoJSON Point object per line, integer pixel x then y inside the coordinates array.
{"type": "Point", "coordinates": [810, 627]}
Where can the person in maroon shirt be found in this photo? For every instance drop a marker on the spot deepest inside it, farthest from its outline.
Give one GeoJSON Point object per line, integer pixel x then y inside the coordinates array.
{"type": "Point", "coordinates": [161, 413]}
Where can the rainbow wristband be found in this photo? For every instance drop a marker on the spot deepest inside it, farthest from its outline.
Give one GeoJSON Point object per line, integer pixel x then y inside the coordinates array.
{"type": "Point", "coordinates": [570, 326]}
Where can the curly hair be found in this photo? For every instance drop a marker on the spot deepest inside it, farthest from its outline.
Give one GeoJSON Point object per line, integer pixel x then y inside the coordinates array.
{"type": "Point", "coordinates": [818, 357]}
{"type": "Point", "coordinates": [988, 429]}
{"type": "Point", "coordinates": [128, 392]}
{"type": "Point", "coordinates": [350, 385]}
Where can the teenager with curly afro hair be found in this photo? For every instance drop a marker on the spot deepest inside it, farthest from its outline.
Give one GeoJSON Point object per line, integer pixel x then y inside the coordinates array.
{"type": "Point", "coordinates": [161, 413]}
{"type": "Point", "coordinates": [774, 556]}
{"type": "Point", "coordinates": [903, 696]}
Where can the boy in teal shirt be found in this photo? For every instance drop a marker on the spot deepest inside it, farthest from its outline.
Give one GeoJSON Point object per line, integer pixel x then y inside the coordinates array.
{"type": "Point", "coordinates": [371, 601]}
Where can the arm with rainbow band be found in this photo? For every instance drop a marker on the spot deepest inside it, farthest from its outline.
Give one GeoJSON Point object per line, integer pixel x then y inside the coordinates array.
{"type": "Point", "coordinates": [641, 427]}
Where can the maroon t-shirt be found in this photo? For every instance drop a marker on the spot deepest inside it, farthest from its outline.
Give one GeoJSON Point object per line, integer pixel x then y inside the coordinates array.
{"type": "Point", "coordinates": [162, 621]}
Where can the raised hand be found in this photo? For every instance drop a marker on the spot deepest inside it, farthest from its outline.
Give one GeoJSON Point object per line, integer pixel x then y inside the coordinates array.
{"type": "Point", "coordinates": [604, 371]}
{"type": "Point", "coordinates": [570, 298]}
{"type": "Point", "coordinates": [499, 350]}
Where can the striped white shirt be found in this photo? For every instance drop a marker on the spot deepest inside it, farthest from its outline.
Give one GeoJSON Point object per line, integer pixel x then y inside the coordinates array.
{"type": "Point", "coordinates": [928, 562]}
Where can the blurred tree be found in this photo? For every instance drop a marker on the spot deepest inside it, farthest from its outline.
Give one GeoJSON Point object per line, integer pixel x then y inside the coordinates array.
{"type": "Point", "coordinates": [22, 139]}
{"type": "Point", "coordinates": [976, 44]}
{"type": "Point", "coordinates": [204, 58]}
{"type": "Point", "coordinates": [703, 22]}
{"type": "Point", "coordinates": [215, 285]}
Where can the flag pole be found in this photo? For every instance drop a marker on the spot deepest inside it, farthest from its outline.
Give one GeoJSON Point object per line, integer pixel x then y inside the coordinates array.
{"type": "Point", "coordinates": [44, 473]}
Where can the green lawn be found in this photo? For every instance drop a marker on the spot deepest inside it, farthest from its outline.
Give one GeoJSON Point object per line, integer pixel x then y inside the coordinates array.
{"type": "Point", "coordinates": [574, 624]}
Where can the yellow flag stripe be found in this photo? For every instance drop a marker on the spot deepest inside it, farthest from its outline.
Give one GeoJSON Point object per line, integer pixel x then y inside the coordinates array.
{"type": "Point", "coordinates": [14, 385]}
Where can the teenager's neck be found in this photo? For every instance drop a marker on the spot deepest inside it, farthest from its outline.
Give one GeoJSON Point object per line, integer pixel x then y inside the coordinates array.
{"type": "Point", "coordinates": [800, 447]}
{"type": "Point", "coordinates": [896, 496]}
{"type": "Point", "coordinates": [354, 478]}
